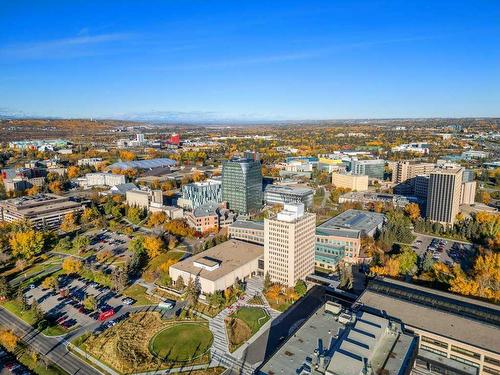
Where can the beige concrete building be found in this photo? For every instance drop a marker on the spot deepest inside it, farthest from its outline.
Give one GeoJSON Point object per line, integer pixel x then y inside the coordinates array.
{"type": "Point", "coordinates": [144, 198]}
{"type": "Point", "coordinates": [458, 335]}
{"type": "Point", "coordinates": [405, 170]}
{"type": "Point", "coordinates": [289, 244]}
{"type": "Point", "coordinates": [44, 211]}
{"type": "Point", "coordinates": [468, 193]}
{"type": "Point", "coordinates": [444, 194]}
{"type": "Point", "coordinates": [221, 266]}
{"type": "Point", "coordinates": [350, 181]}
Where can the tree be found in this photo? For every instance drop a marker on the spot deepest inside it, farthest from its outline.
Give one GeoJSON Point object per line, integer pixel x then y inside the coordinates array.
{"type": "Point", "coordinates": [192, 292]}
{"type": "Point", "coordinates": [26, 244]}
{"type": "Point", "coordinates": [136, 245]}
{"type": "Point", "coordinates": [413, 211]}
{"type": "Point", "coordinates": [300, 287]}
{"type": "Point", "coordinates": [428, 262]}
{"type": "Point", "coordinates": [390, 268]}
{"type": "Point", "coordinates": [134, 214]}
{"type": "Point", "coordinates": [198, 176]}
{"type": "Point", "coordinates": [80, 244]}
{"type": "Point", "coordinates": [172, 243]}
{"type": "Point", "coordinates": [68, 223]}
{"type": "Point", "coordinates": [89, 215]}
{"type": "Point", "coordinates": [9, 340]}
{"type": "Point", "coordinates": [5, 289]}
{"type": "Point", "coordinates": [407, 261]}
{"type": "Point", "coordinates": [64, 245]}
{"type": "Point", "coordinates": [56, 187]}
{"type": "Point", "coordinates": [73, 171]}
{"type": "Point", "coordinates": [36, 312]}
{"type": "Point", "coordinates": [127, 155]}
{"type": "Point", "coordinates": [90, 303]}
{"type": "Point", "coordinates": [153, 246]}
{"type": "Point", "coordinates": [179, 283]}
{"type": "Point", "coordinates": [486, 197]}
{"type": "Point", "coordinates": [179, 227]}
{"type": "Point", "coordinates": [346, 277]}
{"type": "Point", "coordinates": [267, 281]}
{"type": "Point", "coordinates": [50, 282]}
{"type": "Point", "coordinates": [71, 265]}
{"type": "Point", "coordinates": [34, 190]}
{"type": "Point", "coordinates": [157, 218]}
{"type": "Point", "coordinates": [119, 279]}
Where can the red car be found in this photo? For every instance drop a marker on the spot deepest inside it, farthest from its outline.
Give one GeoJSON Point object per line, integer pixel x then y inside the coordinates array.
{"type": "Point", "coordinates": [106, 314]}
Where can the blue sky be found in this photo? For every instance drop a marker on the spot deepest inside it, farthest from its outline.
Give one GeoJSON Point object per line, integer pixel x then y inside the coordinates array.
{"type": "Point", "coordinates": [250, 59]}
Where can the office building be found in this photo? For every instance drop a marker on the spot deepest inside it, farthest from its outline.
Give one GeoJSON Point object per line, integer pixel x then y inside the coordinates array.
{"type": "Point", "coordinates": [468, 192]}
{"type": "Point", "coordinates": [339, 238]}
{"type": "Point", "coordinates": [278, 194]}
{"type": "Point", "coordinates": [44, 211]}
{"type": "Point", "coordinates": [102, 179]}
{"type": "Point", "coordinates": [289, 242]}
{"type": "Point", "coordinates": [139, 138]}
{"type": "Point", "coordinates": [149, 164]}
{"type": "Point", "coordinates": [421, 186]}
{"type": "Point", "coordinates": [457, 335]}
{"type": "Point", "coordinates": [219, 267]}
{"type": "Point", "coordinates": [406, 170]}
{"type": "Point", "coordinates": [325, 344]}
{"type": "Point", "coordinates": [242, 185]}
{"type": "Point", "coordinates": [444, 194]}
{"type": "Point", "coordinates": [89, 162]}
{"type": "Point", "coordinates": [350, 181]}
{"type": "Point", "coordinates": [200, 193]}
{"type": "Point", "coordinates": [210, 216]}
{"type": "Point", "coordinates": [367, 199]}
{"type": "Point", "coordinates": [370, 168]}
{"type": "Point", "coordinates": [245, 230]}
{"type": "Point", "coordinates": [144, 198]}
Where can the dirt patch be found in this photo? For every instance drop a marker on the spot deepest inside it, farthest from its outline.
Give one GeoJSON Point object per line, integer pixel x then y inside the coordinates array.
{"type": "Point", "coordinates": [238, 331]}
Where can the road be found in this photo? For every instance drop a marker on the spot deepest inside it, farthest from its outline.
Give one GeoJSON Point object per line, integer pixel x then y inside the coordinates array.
{"type": "Point", "coordinates": [51, 347]}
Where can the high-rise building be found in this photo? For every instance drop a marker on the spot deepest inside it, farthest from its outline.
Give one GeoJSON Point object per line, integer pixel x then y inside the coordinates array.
{"type": "Point", "coordinates": [370, 168]}
{"type": "Point", "coordinates": [289, 244]}
{"type": "Point", "coordinates": [242, 184]}
{"type": "Point", "coordinates": [444, 194]}
{"type": "Point", "coordinates": [406, 170]}
{"type": "Point", "coordinates": [139, 138]}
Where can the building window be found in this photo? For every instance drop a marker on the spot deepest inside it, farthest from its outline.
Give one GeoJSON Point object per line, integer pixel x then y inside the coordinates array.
{"type": "Point", "coordinates": [434, 342]}
{"type": "Point", "coordinates": [489, 370]}
{"type": "Point", "coordinates": [466, 352]}
{"type": "Point", "coordinates": [491, 361]}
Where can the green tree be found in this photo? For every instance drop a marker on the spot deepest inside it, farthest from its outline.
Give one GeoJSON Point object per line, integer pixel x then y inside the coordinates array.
{"type": "Point", "coordinates": [300, 287]}
{"type": "Point", "coordinates": [136, 245]}
{"type": "Point", "coordinates": [428, 262]}
{"type": "Point", "coordinates": [90, 303]}
{"type": "Point", "coordinates": [407, 261]}
{"type": "Point", "coordinates": [64, 245]}
{"type": "Point", "coordinates": [267, 281]}
{"type": "Point", "coordinates": [5, 289]}
{"type": "Point", "coordinates": [80, 243]}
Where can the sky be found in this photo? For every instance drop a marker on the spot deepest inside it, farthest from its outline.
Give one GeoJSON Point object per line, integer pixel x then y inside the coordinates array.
{"type": "Point", "coordinates": [250, 60]}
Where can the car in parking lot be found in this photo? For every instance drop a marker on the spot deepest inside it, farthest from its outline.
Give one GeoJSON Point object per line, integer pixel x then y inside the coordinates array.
{"type": "Point", "coordinates": [128, 301]}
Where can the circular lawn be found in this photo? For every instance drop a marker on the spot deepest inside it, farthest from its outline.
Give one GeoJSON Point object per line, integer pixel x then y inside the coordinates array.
{"type": "Point", "coordinates": [181, 342]}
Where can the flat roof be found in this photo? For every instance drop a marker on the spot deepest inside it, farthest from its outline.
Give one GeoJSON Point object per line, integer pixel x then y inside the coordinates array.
{"type": "Point", "coordinates": [443, 323]}
{"type": "Point", "coordinates": [247, 224]}
{"type": "Point", "coordinates": [288, 189]}
{"type": "Point", "coordinates": [231, 254]}
{"type": "Point", "coordinates": [143, 164]}
{"type": "Point", "coordinates": [354, 220]}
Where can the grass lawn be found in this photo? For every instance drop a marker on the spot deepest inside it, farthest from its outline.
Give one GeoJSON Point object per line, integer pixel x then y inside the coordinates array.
{"type": "Point", "coordinates": [56, 330]}
{"type": "Point", "coordinates": [15, 308]}
{"type": "Point", "coordinates": [254, 317]}
{"type": "Point", "coordinates": [182, 342]}
{"type": "Point", "coordinates": [162, 258]}
{"type": "Point", "coordinates": [138, 293]}
{"type": "Point", "coordinates": [39, 369]}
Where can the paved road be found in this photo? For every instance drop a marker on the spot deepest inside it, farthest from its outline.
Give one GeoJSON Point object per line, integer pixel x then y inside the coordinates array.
{"type": "Point", "coordinates": [51, 347]}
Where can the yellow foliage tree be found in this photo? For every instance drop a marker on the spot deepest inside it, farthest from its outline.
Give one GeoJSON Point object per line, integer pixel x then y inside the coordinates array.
{"type": "Point", "coordinates": [157, 218]}
{"type": "Point", "coordinates": [56, 187]}
{"type": "Point", "coordinates": [165, 266]}
{"type": "Point", "coordinates": [34, 190]}
{"type": "Point", "coordinates": [153, 246]}
{"type": "Point", "coordinates": [391, 268]}
{"type": "Point", "coordinates": [413, 211]}
{"type": "Point", "coordinates": [68, 223]}
{"type": "Point", "coordinates": [73, 171]}
{"type": "Point", "coordinates": [71, 265]}
{"type": "Point", "coordinates": [127, 155]}
{"type": "Point", "coordinates": [26, 244]}
{"type": "Point", "coordinates": [9, 340]}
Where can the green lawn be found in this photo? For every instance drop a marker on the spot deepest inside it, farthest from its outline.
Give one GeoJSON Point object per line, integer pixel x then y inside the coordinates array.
{"type": "Point", "coordinates": [162, 258]}
{"type": "Point", "coordinates": [254, 317]}
{"type": "Point", "coordinates": [138, 293]}
{"type": "Point", "coordinates": [40, 369]}
{"type": "Point", "coordinates": [15, 308]}
{"type": "Point", "coordinates": [182, 342]}
{"type": "Point", "coordinates": [56, 330]}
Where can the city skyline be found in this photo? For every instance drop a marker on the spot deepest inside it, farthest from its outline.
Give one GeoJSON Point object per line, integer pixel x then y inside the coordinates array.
{"type": "Point", "coordinates": [192, 61]}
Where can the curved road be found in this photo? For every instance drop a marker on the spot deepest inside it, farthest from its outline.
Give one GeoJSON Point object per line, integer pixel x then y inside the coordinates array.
{"type": "Point", "coordinates": [52, 347]}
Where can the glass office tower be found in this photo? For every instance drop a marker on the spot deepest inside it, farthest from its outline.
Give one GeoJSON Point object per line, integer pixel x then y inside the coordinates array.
{"type": "Point", "coordinates": [242, 184]}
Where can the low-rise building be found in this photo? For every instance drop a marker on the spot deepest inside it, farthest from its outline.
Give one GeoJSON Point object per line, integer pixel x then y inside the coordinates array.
{"type": "Point", "coordinates": [44, 211]}
{"type": "Point", "coordinates": [328, 345]}
{"type": "Point", "coordinates": [458, 335]}
{"type": "Point", "coordinates": [246, 230]}
{"type": "Point", "coordinates": [219, 267]}
{"type": "Point", "coordinates": [89, 162]}
{"type": "Point", "coordinates": [418, 148]}
{"type": "Point", "coordinates": [368, 198]}
{"type": "Point", "coordinates": [350, 181]}
{"type": "Point", "coordinates": [102, 179]}
{"type": "Point", "coordinates": [143, 198]}
{"type": "Point", "coordinates": [209, 216]}
{"type": "Point", "coordinates": [276, 194]}
{"type": "Point", "coordinates": [200, 193]}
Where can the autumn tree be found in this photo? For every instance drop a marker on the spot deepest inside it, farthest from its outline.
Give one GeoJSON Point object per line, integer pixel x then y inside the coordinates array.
{"type": "Point", "coordinates": [127, 155]}
{"type": "Point", "coordinates": [153, 246]}
{"type": "Point", "coordinates": [34, 190]}
{"type": "Point", "coordinates": [71, 265]}
{"type": "Point", "coordinates": [68, 223]}
{"type": "Point", "coordinates": [9, 340]}
{"type": "Point", "coordinates": [50, 282]}
{"type": "Point", "coordinates": [80, 244]}
{"type": "Point", "coordinates": [157, 218]}
{"type": "Point", "coordinates": [73, 171]}
{"type": "Point", "coordinates": [407, 261]}
{"type": "Point", "coordinates": [413, 211]}
{"type": "Point", "coordinates": [26, 244]}
{"type": "Point", "coordinates": [89, 215]}
{"type": "Point", "coordinates": [56, 187]}
{"type": "Point", "coordinates": [198, 176]}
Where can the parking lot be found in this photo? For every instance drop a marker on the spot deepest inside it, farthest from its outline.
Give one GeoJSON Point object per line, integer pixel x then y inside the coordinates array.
{"type": "Point", "coordinates": [65, 307]}
{"type": "Point", "coordinates": [446, 251]}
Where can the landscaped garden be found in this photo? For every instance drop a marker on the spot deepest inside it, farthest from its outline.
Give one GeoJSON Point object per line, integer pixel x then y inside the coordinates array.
{"type": "Point", "coordinates": [243, 324]}
{"type": "Point", "coordinates": [146, 342]}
